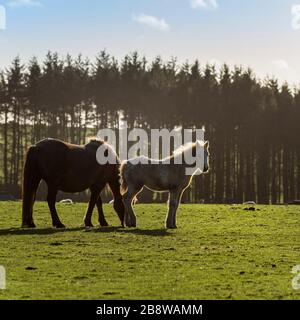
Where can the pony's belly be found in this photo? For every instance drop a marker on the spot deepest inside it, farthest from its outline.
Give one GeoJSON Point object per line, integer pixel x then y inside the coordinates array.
{"type": "Point", "coordinates": [73, 187]}
{"type": "Point", "coordinates": [157, 180]}
{"type": "Point", "coordinates": [157, 188]}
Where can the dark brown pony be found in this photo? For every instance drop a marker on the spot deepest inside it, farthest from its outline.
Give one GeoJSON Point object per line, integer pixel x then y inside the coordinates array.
{"type": "Point", "coordinates": [69, 168]}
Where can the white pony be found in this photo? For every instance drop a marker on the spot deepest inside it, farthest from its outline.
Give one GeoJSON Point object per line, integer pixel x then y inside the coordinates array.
{"type": "Point", "coordinates": [164, 175]}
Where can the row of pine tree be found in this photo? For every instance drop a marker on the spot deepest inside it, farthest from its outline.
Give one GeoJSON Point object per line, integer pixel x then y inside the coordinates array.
{"type": "Point", "coordinates": [252, 124]}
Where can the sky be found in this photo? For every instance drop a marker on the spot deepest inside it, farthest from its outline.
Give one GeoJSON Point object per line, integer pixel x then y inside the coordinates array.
{"type": "Point", "coordinates": [261, 34]}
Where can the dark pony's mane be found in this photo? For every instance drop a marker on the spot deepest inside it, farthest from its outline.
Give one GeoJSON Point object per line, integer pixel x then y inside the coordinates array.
{"type": "Point", "coordinates": [96, 141]}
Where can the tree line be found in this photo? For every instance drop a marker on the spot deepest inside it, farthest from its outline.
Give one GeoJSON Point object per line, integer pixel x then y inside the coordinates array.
{"type": "Point", "coordinates": [252, 124]}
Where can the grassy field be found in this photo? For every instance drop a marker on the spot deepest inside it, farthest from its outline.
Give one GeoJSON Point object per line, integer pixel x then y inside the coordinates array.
{"type": "Point", "coordinates": [217, 252]}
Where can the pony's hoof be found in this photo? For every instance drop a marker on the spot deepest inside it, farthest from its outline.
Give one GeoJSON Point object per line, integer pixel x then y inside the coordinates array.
{"type": "Point", "coordinates": [59, 226]}
{"type": "Point", "coordinates": [131, 225]}
{"type": "Point", "coordinates": [28, 225]}
{"type": "Point", "coordinates": [104, 224]}
{"type": "Point", "coordinates": [88, 225]}
{"type": "Point", "coordinates": [171, 227]}
{"type": "Point", "coordinates": [127, 224]}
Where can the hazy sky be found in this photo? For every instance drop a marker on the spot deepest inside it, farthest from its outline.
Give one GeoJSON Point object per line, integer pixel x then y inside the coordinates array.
{"type": "Point", "coordinates": [262, 34]}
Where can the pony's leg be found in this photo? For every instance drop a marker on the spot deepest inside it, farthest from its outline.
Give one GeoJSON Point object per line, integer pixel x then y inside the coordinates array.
{"type": "Point", "coordinates": [35, 187]}
{"type": "Point", "coordinates": [51, 199]}
{"type": "Point", "coordinates": [29, 202]}
{"type": "Point", "coordinates": [118, 200]}
{"type": "Point", "coordinates": [174, 200]}
{"type": "Point", "coordinates": [93, 200]}
{"type": "Point", "coordinates": [128, 196]}
{"type": "Point", "coordinates": [101, 218]}
{"type": "Point", "coordinates": [31, 179]}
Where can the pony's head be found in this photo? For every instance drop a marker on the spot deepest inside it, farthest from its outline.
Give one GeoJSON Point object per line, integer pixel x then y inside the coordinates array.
{"type": "Point", "coordinates": [205, 146]}
{"type": "Point", "coordinates": [206, 157]}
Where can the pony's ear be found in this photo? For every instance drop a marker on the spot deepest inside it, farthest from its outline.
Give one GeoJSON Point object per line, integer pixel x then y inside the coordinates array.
{"type": "Point", "coordinates": [206, 145]}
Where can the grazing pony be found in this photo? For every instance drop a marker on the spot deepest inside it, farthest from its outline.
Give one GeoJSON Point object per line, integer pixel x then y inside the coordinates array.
{"type": "Point", "coordinates": [69, 168]}
{"type": "Point", "coordinates": [164, 175]}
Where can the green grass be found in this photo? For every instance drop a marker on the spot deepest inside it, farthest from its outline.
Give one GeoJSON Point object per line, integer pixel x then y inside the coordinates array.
{"type": "Point", "coordinates": [217, 252]}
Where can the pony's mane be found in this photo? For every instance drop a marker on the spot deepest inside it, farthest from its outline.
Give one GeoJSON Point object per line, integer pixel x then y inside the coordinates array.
{"type": "Point", "coordinates": [95, 141]}
{"type": "Point", "coordinates": [186, 147]}
{"type": "Point", "coordinates": [182, 149]}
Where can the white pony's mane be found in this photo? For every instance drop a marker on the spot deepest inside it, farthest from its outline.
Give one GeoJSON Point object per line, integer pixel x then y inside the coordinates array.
{"type": "Point", "coordinates": [176, 153]}
{"type": "Point", "coordinates": [186, 147]}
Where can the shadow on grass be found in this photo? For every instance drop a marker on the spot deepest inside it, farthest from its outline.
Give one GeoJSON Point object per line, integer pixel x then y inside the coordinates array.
{"type": "Point", "coordinates": [109, 229]}
{"type": "Point", "coordinates": [105, 229]}
{"type": "Point", "coordinates": [47, 231]}
{"type": "Point", "coordinates": [44, 231]}
{"type": "Point", "coordinates": [153, 232]}
{"type": "Point", "coordinates": [147, 232]}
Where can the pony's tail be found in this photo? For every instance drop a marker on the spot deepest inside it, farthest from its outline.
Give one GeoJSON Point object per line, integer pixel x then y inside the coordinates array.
{"type": "Point", "coordinates": [31, 180]}
{"type": "Point", "coordinates": [123, 181]}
